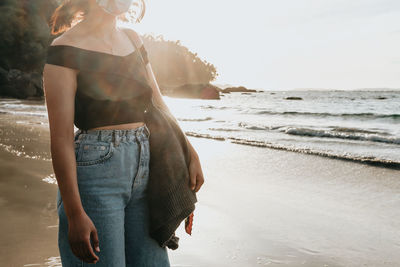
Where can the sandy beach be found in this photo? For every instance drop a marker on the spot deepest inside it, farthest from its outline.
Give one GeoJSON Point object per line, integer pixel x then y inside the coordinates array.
{"type": "Point", "coordinates": [258, 207]}
{"type": "Point", "coordinates": [297, 124]}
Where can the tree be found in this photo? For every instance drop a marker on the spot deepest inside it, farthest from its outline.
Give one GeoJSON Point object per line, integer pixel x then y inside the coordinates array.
{"type": "Point", "coordinates": [25, 37]}
{"type": "Point", "coordinates": [24, 33]}
{"type": "Point", "coordinates": [174, 64]}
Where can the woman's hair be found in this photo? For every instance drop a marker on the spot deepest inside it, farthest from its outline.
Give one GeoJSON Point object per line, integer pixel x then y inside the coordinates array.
{"type": "Point", "coordinates": [73, 11]}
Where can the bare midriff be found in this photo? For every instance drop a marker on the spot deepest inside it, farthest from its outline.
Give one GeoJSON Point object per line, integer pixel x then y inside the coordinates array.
{"type": "Point", "coordinates": [123, 126]}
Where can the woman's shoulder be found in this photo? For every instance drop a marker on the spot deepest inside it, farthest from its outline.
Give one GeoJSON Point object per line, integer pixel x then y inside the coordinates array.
{"type": "Point", "coordinates": [68, 39]}
{"type": "Point", "coordinates": [135, 36]}
{"type": "Point", "coordinates": [71, 37]}
{"type": "Point", "coordinates": [64, 51]}
{"type": "Point", "coordinates": [137, 39]}
{"type": "Point", "coordinates": [129, 31]}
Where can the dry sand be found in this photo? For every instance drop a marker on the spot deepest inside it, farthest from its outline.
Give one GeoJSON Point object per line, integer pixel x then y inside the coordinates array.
{"type": "Point", "coordinates": [258, 207]}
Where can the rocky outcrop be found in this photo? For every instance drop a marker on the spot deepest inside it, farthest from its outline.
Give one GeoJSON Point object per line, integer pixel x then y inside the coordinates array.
{"type": "Point", "coordinates": [238, 89]}
{"type": "Point", "coordinates": [201, 91]}
{"type": "Point", "coordinates": [293, 98]}
{"type": "Point", "coordinates": [18, 84]}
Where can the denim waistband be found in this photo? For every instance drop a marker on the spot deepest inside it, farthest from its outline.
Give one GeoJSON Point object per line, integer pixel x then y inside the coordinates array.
{"type": "Point", "coordinates": [113, 135]}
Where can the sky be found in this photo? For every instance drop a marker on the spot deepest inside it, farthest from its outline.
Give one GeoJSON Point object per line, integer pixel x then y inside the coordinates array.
{"type": "Point", "coordinates": [286, 44]}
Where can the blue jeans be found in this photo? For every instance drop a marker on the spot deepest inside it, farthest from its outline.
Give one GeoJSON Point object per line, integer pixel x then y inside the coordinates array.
{"type": "Point", "coordinates": [112, 174]}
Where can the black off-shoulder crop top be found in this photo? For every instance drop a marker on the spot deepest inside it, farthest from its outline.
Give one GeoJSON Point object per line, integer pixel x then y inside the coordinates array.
{"type": "Point", "coordinates": [111, 89]}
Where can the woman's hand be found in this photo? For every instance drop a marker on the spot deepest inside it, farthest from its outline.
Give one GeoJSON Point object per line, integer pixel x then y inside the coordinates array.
{"type": "Point", "coordinates": [80, 232]}
{"type": "Point", "coordinates": [195, 171]}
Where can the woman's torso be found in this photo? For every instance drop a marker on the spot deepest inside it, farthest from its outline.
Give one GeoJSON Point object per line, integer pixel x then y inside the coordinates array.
{"type": "Point", "coordinates": [112, 90]}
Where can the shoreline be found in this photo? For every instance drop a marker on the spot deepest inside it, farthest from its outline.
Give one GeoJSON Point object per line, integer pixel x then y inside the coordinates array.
{"type": "Point", "coordinates": [346, 155]}
{"type": "Point", "coordinates": [257, 207]}
{"type": "Point", "coordinates": [368, 161]}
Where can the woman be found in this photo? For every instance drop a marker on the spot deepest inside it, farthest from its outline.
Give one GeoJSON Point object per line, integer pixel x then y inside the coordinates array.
{"type": "Point", "coordinates": [106, 180]}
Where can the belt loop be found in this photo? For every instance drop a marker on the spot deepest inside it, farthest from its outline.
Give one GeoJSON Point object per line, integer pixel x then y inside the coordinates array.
{"type": "Point", "coordinates": [147, 130]}
{"type": "Point", "coordinates": [116, 137]}
{"type": "Point", "coordinates": [137, 135]}
{"type": "Point", "coordinates": [76, 137]}
{"type": "Point", "coordinates": [113, 136]}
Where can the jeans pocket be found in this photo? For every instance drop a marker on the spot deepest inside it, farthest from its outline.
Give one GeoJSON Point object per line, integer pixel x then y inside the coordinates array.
{"type": "Point", "coordinates": [91, 153]}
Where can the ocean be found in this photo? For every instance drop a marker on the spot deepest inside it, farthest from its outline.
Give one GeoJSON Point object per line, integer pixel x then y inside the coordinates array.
{"type": "Point", "coordinates": [315, 211]}
{"type": "Point", "coordinates": [359, 125]}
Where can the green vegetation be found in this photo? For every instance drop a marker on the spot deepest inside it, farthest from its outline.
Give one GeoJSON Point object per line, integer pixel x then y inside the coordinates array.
{"type": "Point", "coordinates": [24, 33]}
{"type": "Point", "coordinates": [175, 65]}
{"type": "Point", "coordinates": [25, 36]}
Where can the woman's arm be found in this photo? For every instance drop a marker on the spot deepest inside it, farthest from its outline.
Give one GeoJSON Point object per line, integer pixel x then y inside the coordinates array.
{"type": "Point", "coordinates": [159, 102]}
{"type": "Point", "coordinates": [196, 174]}
{"type": "Point", "coordinates": [59, 88]}
{"type": "Point", "coordinates": [59, 95]}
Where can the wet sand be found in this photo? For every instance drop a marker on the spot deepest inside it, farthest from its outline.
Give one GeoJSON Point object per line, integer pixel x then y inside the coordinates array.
{"type": "Point", "coordinates": [276, 208]}
{"type": "Point", "coordinates": [258, 207]}
{"type": "Point", "coordinates": [28, 227]}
